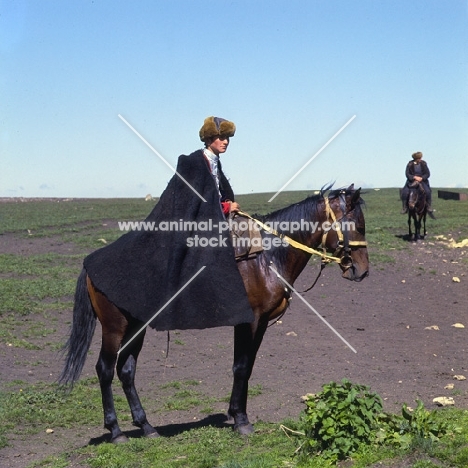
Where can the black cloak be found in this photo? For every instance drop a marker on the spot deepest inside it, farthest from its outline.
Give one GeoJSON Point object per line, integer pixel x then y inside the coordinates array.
{"type": "Point", "coordinates": [143, 270]}
{"type": "Point", "coordinates": [410, 171]}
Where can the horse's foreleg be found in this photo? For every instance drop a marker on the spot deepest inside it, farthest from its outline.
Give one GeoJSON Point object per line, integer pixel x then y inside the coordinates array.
{"type": "Point", "coordinates": [417, 228]}
{"type": "Point", "coordinates": [247, 340]}
{"type": "Point", "coordinates": [126, 369]}
{"type": "Point", "coordinates": [410, 233]}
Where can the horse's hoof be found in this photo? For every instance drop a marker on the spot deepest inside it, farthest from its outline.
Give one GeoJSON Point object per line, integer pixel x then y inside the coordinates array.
{"type": "Point", "coordinates": [121, 439]}
{"type": "Point", "coordinates": [153, 435]}
{"type": "Point", "coordinates": [244, 429]}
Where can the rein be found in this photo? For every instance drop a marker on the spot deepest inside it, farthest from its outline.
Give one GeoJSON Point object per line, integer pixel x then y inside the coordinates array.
{"type": "Point", "coordinates": [292, 242]}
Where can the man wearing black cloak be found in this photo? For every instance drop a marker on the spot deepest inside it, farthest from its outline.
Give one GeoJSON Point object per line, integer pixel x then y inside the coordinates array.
{"type": "Point", "coordinates": [157, 274]}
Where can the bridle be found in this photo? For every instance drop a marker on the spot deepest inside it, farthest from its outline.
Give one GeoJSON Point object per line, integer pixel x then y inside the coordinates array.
{"type": "Point", "coordinates": [344, 243]}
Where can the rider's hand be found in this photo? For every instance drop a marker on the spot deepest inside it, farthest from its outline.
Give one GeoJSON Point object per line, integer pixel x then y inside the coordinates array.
{"type": "Point", "coordinates": [235, 207]}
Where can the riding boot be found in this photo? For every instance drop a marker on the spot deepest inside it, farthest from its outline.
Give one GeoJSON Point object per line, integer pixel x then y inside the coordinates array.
{"type": "Point", "coordinates": [404, 208]}
{"type": "Point", "coordinates": [430, 210]}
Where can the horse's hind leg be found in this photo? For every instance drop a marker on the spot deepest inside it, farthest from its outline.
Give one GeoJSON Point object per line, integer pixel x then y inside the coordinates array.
{"type": "Point", "coordinates": [126, 369]}
{"type": "Point", "coordinates": [105, 371]}
{"type": "Point", "coordinates": [114, 325]}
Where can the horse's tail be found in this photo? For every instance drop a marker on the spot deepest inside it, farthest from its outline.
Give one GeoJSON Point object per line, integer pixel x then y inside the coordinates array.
{"type": "Point", "coordinates": [82, 331]}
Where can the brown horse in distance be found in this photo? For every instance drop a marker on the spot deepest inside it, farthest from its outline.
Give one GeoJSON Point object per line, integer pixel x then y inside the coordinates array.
{"type": "Point", "coordinates": [268, 279]}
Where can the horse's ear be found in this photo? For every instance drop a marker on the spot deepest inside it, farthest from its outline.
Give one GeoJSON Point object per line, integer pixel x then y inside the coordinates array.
{"type": "Point", "coordinates": [356, 196]}
{"type": "Point", "coordinates": [351, 187]}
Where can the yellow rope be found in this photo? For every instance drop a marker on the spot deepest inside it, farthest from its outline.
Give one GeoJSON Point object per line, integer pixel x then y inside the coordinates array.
{"type": "Point", "coordinates": [298, 245]}
{"type": "Point", "coordinates": [290, 241]}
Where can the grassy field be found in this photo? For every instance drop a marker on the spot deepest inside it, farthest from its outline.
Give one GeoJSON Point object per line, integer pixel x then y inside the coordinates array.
{"type": "Point", "coordinates": [35, 288]}
{"type": "Point", "coordinates": [72, 219]}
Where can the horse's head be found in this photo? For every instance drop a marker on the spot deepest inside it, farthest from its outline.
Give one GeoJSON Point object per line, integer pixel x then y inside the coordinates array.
{"type": "Point", "coordinates": [346, 238]}
{"type": "Point", "coordinates": [414, 196]}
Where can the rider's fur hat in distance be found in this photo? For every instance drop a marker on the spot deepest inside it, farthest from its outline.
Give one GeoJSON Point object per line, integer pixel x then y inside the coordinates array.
{"type": "Point", "coordinates": [216, 126]}
{"type": "Point", "coordinates": [417, 155]}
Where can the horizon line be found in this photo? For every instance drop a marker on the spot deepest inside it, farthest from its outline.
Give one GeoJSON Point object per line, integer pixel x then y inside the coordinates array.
{"type": "Point", "coordinates": [139, 197]}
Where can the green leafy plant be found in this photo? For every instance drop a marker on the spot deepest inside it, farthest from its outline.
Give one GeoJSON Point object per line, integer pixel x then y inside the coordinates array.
{"type": "Point", "coordinates": [343, 417]}
{"type": "Point", "coordinates": [415, 427]}
{"type": "Point", "coordinates": [339, 419]}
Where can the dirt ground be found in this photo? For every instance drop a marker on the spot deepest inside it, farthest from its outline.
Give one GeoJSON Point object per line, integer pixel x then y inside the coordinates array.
{"type": "Point", "coordinates": [399, 321]}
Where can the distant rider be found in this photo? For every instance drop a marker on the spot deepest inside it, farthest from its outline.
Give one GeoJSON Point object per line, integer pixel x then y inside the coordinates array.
{"type": "Point", "coordinates": [417, 171]}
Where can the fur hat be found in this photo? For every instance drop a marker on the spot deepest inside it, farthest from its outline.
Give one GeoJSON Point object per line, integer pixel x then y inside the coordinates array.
{"type": "Point", "coordinates": [417, 155]}
{"type": "Point", "coordinates": [216, 126]}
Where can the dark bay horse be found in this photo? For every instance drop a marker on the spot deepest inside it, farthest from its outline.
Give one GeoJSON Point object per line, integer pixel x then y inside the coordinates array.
{"type": "Point", "coordinates": [337, 226]}
{"type": "Point", "coordinates": [417, 211]}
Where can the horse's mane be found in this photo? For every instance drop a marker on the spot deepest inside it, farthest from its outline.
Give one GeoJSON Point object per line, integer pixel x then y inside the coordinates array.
{"type": "Point", "coordinates": [304, 208]}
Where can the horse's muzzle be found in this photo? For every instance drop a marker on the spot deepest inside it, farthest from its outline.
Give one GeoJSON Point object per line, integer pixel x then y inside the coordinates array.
{"type": "Point", "coordinates": [353, 274]}
{"type": "Point", "coordinates": [364, 275]}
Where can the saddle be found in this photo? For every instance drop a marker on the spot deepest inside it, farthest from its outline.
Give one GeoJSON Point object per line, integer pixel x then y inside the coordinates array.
{"type": "Point", "coordinates": [246, 237]}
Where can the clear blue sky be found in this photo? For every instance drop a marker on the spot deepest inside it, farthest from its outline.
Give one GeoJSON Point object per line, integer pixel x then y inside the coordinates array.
{"type": "Point", "coordinates": [288, 73]}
